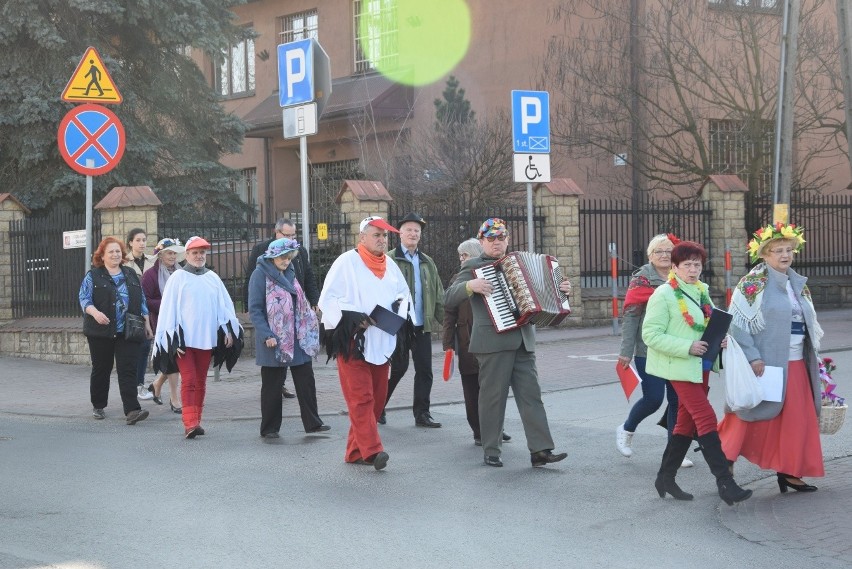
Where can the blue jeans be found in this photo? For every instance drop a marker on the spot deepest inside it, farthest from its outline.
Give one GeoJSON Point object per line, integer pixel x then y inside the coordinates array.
{"type": "Point", "coordinates": [653, 388]}
{"type": "Point", "coordinates": [142, 362]}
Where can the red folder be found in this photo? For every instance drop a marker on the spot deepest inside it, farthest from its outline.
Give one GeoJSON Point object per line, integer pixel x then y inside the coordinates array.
{"type": "Point", "coordinates": [629, 378]}
{"type": "Point", "coordinates": [449, 364]}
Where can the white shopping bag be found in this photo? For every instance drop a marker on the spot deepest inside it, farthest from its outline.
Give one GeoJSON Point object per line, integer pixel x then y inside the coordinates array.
{"type": "Point", "coordinates": [742, 388]}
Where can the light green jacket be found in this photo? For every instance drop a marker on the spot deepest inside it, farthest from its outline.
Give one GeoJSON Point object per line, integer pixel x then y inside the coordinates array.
{"type": "Point", "coordinates": [669, 337]}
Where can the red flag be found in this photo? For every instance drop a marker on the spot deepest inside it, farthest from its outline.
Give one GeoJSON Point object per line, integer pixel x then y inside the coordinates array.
{"type": "Point", "coordinates": [628, 377]}
{"type": "Point", "coordinates": [449, 364]}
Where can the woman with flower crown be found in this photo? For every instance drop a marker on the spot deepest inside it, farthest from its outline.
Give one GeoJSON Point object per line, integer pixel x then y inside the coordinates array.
{"type": "Point", "coordinates": [675, 318]}
{"type": "Point", "coordinates": [775, 324]}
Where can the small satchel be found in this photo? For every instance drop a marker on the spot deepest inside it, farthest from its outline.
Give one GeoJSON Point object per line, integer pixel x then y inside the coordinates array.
{"type": "Point", "coordinates": [134, 328]}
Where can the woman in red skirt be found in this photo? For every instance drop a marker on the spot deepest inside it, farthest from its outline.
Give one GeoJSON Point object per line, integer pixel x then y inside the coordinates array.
{"type": "Point", "coordinates": [776, 325]}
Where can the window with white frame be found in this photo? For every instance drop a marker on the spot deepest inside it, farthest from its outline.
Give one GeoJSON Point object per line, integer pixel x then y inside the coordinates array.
{"type": "Point", "coordinates": [301, 26]}
{"type": "Point", "coordinates": [235, 70]}
{"type": "Point", "coordinates": [245, 186]}
{"type": "Point", "coordinates": [376, 34]}
{"type": "Point", "coordinates": [736, 147]}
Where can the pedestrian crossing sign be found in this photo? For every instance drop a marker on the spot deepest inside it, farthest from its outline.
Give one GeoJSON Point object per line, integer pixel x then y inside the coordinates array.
{"type": "Point", "coordinates": [91, 82]}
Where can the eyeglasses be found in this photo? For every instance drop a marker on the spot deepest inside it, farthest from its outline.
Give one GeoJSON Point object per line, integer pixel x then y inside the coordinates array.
{"type": "Point", "coordinates": [287, 235]}
{"type": "Point", "coordinates": [661, 252]}
{"type": "Point", "coordinates": [787, 251]}
{"type": "Point", "coordinates": [491, 238]}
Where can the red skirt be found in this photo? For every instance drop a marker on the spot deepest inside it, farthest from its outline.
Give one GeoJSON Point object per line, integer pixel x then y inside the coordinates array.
{"type": "Point", "coordinates": [788, 443]}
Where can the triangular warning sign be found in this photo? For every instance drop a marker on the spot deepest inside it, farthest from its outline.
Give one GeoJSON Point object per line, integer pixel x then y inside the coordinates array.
{"type": "Point", "coordinates": [91, 82]}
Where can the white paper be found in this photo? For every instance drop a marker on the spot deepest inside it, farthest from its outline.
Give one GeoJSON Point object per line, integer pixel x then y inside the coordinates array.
{"type": "Point", "coordinates": [772, 382]}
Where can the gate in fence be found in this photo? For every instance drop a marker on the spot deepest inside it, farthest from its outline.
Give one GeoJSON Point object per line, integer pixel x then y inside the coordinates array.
{"type": "Point", "coordinates": [46, 277]}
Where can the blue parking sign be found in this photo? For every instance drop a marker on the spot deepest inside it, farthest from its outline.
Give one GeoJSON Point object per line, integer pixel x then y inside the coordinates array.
{"type": "Point", "coordinates": [295, 73]}
{"type": "Point", "coordinates": [531, 121]}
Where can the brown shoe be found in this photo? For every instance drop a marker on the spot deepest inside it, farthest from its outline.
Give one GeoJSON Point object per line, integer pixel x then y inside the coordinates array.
{"type": "Point", "coordinates": [287, 393]}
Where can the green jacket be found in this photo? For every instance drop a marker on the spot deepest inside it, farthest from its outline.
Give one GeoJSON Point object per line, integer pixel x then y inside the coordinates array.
{"type": "Point", "coordinates": [669, 337]}
{"type": "Point", "coordinates": [433, 290]}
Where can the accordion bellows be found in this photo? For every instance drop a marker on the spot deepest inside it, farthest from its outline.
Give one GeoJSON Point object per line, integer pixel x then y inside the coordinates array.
{"type": "Point", "coordinates": [525, 291]}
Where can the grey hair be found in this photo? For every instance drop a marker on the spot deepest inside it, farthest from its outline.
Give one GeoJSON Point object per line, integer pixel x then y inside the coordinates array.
{"type": "Point", "coordinates": [656, 241]}
{"type": "Point", "coordinates": [279, 225]}
{"type": "Point", "coordinates": [471, 247]}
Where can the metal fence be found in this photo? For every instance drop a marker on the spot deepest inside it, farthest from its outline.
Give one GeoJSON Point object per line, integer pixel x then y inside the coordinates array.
{"type": "Point", "coordinates": [827, 221]}
{"type": "Point", "coordinates": [46, 277]}
{"type": "Point", "coordinates": [447, 225]}
{"type": "Point", "coordinates": [232, 241]}
{"type": "Point", "coordinates": [630, 227]}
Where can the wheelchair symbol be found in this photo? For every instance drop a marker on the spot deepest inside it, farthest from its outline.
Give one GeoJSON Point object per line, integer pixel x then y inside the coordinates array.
{"type": "Point", "coordinates": [531, 172]}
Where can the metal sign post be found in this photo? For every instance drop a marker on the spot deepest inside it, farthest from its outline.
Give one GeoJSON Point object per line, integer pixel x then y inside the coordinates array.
{"type": "Point", "coordinates": [87, 262]}
{"type": "Point", "coordinates": [303, 167]}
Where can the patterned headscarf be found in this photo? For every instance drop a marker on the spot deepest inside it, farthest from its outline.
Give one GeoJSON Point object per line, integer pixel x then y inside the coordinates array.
{"type": "Point", "coordinates": [492, 227]}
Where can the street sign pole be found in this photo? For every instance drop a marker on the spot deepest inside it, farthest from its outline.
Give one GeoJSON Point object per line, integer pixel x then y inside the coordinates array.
{"type": "Point", "coordinates": [530, 232]}
{"type": "Point", "coordinates": [87, 262]}
{"type": "Point", "coordinates": [306, 220]}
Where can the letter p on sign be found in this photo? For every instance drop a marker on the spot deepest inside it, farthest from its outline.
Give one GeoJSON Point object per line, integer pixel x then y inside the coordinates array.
{"type": "Point", "coordinates": [530, 112]}
{"type": "Point", "coordinates": [295, 68]}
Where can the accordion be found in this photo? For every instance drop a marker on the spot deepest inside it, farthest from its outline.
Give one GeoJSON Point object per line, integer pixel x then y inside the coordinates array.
{"type": "Point", "coordinates": [525, 291]}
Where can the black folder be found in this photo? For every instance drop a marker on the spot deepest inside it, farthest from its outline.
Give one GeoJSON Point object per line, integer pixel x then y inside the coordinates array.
{"type": "Point", "coordinates": [715, 332]}
{"type": "Point", "coordinates": [387, 320]}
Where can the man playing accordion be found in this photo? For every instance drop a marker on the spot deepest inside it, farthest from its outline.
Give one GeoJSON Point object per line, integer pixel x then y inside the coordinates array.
{"type": "Point", "coordinates": [505, 360]}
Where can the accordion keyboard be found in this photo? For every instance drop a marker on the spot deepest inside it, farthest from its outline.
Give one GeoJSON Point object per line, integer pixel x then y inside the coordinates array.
{"type": "Point", "coordinates": [502, 307]}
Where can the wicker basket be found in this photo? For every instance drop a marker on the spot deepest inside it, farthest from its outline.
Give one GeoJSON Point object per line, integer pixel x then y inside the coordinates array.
{"type": "Point", "coordinates": [831, 418]}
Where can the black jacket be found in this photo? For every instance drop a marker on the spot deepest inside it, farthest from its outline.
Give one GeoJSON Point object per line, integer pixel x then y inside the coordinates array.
{"type": "Point", "coordinates": [304, 272]}
{"type": "Point", "coordinates": [104, 297]}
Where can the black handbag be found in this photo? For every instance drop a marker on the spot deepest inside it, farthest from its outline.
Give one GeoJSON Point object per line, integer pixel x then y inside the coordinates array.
{"type": "Point", "coordinates": [134, 328]}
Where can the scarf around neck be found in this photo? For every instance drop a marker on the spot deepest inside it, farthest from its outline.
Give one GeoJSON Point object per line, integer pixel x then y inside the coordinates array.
{"type": "Point", "coordinates": [376, 264]}
{"type": "Point", "coordinates": [285, 316]}
{"type": "Point", "coordinates": [747, 300]}
{"type": "Point", "coordinates": [163, 274]}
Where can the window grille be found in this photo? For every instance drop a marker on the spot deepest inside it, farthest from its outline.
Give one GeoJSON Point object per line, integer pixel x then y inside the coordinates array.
{"type": "Point", "coordinates": [326, 179]}
{"type": "Point", "coordinates": [746, 152]}
{"type": "Point", "coordinates": [246, 187]}
{"type": "Point", "coordinates": [301, 26]}
{"type": "Point", "coordinates": [379, 37]}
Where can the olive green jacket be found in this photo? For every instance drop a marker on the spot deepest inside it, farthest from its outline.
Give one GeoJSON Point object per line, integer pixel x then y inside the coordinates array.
{"type": "Point", "coordinates": [433, 290]}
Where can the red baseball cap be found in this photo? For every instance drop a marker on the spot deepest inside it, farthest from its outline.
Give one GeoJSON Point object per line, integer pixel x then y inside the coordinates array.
{"type": "Point", "coordinates": [196, 242]}
{"type": "Point", "coordinates": [377, 221]}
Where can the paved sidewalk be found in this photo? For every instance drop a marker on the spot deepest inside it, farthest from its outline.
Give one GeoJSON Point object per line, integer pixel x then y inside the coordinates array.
{"type": "Point", "coordinates": [568, 359]}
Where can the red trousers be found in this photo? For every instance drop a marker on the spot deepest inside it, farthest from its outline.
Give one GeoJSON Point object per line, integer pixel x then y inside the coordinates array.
{"type": "Point", "coordinates": [694, 412]}
{"type": "Point", "coordinates": [193, 366]}
{"type": "Point", "coordinates": [365, 388]}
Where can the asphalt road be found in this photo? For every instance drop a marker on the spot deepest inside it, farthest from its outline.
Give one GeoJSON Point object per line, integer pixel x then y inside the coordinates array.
{"type": "Point", "coordinates": [78, 493]}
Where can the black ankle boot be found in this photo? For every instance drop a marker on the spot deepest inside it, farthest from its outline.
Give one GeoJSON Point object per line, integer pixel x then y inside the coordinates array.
{"type": "Point", "coordinates": [729, 491]}
{"type": "Point", "coordinates": [673, 456]}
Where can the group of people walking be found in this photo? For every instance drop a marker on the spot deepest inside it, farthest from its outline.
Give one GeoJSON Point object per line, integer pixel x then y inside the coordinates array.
{"type": "Point", "coordinates": [774, 321]}
{"type": "Point", "coordinates": [191, 319]}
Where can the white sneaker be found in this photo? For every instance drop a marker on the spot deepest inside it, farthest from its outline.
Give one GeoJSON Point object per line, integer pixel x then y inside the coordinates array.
{"type": "Point", "coordinates": [622, 441]}
{"type": "Point", "coordinates": [687, 463]}
{"type": "Point", "coordinates": [144, 394]}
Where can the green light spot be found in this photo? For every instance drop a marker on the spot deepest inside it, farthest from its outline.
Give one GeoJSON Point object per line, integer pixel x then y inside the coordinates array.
{"type": "Point", "coordinates": [417, 43]}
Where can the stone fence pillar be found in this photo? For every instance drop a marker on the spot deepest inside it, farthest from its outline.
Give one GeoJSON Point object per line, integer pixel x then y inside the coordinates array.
{"type": "Point", "coordinates": [127, 207]}
{"type": "Point", "coordinates": [10, 210]}
{"type": "Point", "coordinates": [725, 194]}
{"type": "Point", "coordinates": [362, 198]}
{"type": "Point", "coordinates": [559, 201]}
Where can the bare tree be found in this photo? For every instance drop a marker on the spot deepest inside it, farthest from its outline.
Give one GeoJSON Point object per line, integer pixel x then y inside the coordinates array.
{"type": "Point", "coordinates": [693, 94]}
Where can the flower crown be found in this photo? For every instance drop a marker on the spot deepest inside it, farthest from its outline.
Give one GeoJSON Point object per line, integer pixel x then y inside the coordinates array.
{"type": "Point", "coordinates": [775, 231]}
